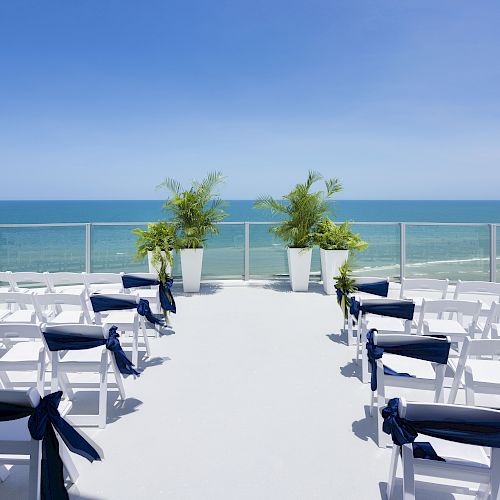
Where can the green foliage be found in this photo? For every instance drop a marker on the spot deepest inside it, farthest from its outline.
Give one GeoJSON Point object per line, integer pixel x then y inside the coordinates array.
{"type": "Point", "coordinates": [195, 211]}
{"type": "Point", "coordinates": [157, 238]}
{"type": "Point", "coordinates": [301, 209]}
{"type": "Point", "coordinates": [345, 284]}
{"type": "Point", "coordinates": [331, 237]}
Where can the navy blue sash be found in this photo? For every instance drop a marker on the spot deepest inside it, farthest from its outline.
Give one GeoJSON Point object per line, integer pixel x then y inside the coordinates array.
{"type": "Point", "coordinates": [101, 302]}
{"type": "Point", "coordinates": [59, 341]}
{"type": "Point", "coordinates": [403, 431]}
{"type": "Point", "coordinates": [430, 349]}
{"type": "Point", "coordinates": [43, 421]}
{"type": "Point", "coordinates": [165, 290]}
{"type": "Point", "coordinates": [380, 288]}
{"type": "Point", "coordinates": [393, 308]}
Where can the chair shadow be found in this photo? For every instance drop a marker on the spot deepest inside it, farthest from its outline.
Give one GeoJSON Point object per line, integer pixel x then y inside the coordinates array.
{"type": "Point", "coordinates": [119, 408]}
{"type": "Point", "coordinates": [284, 287]}
{"type": "Point", "coordinates": [429, 491]}
{"type": "Point", "coordinates": [205, 289]}
{"type": "Point", "coordinates": [338, 338]}
{"type": "Point", "coordinates": [150, 362]}
{"type": "Point", "coordinates": [365, 429]}
{"type": "Point", "coordinates": [350, 370]}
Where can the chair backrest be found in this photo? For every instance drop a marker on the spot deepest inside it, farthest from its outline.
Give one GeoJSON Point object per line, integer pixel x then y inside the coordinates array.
{"type": "Point", "coordinates": [446, 412]}
{"type": "Point", "coordinates": [96, 331]}
{"type": "Point", "coordinates": [485, 291]}
{"type": "Point", "coordinates": [30, 280]}
{"type": "Point", "coordinates": [47, 300]}
{"type": "Point", "coordinates": [441, 306]}
{"type": "Point", "coordinates": [479, 347]}
{"type": "Point", "coordinates": [146, 276]}
{"type": "Point", "coordinates": [130, 298]}
{"type": "Point", "coordinates": [106, 280]}
{"type": "Point", "coordinates": [382, 339]}
{"type": "Point", "coordinates": [19, 331]}
{"type": "Point", "coordinates": [65, 279]}
{"type": "Point", "coordinates": [21, 299]}
{"type": "Point", "coordinates": [433, 288]}
{"type": "Point", "coordinates": [29, 398]}
{"type": "Point", "coordinates": [6, 277]}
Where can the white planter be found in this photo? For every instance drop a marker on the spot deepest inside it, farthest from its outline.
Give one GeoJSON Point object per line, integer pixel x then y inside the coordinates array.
{"type": "Point", "coordinates": [191, 262]}
{"type": "Point", "coordinates": [156, 269]}
{"type": "Point", "coordinates": [331, 260]}
{"type": "Point", "coordinates": [299, 267]}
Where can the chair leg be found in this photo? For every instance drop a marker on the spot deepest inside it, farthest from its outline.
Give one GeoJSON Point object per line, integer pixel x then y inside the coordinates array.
{"type": "Point", "coordinates": [118, 379]}
{"type": "Point", "coordinates": [65, 385]}
{"type": "Point", "coordinates": [69, 466]}
{"type": "Point", "coordinates": [135, 346]}
{"type": "Point", "coordinates": [4, 473]}
{"type": "Point", "coordinates": [145, 336]}
{"type": "Point", "coordinates": [6, 383]}
{"type": "Point", "coordinates": [408, 473]}
{"type": "Point", "coordinates": [34, 470]}
{"type": "Point", "coordinates": [349, 329]}
{"type": "Point", "coordinates": [103, 392]}
{"type": "Point", "coordinates": [393, 469]}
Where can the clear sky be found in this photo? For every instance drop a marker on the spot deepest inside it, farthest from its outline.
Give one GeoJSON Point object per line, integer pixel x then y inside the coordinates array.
{"type": "Point", "coordinates": [105, 98]}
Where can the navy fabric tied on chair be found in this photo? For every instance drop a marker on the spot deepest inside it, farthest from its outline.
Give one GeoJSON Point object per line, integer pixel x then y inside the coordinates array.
{"type": "Point", "coordinates": [431, 349]}
{"type": "Point", "coordinates": [165, 290]}
{"type": "Point", "coordinates": [101, 302]}
{"type": "Point", "coordinates": [58, 341]}
{"type": "Point", "coordinates": [43, 421]}
{"type": "Point", "coordinates": [479, 432]}
{"type": "Point", "coordinates": [380, 288]}
{"type": "Point", "coordinates": [394, 308]}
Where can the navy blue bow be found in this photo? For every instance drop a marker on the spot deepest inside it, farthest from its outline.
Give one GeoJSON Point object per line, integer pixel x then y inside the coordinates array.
{"type": "Point", "coordinates": [60, 341]}
{"type": "Point", "coordinates": [108, 303]}
{"type": "Point", "coordinates": [165, 289]}
{"type": "Point", "coordinates": [41, 424]}
{"type": "Point", "coordinates": [167, 297]}
{"type": "Point", "coordinates": [400, 430]}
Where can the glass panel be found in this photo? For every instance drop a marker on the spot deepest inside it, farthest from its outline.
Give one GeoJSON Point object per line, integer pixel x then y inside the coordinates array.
{"type": "Point", "coordinates": [498, 254]}
{"type": "Point", "coordinates": [113, 250]}
{"type": "Point", "coordinates": [454, 252]}
{"type": "Point", "coordinates": [267, 253]}
{"type": "Point", "coordinates": [381, 258]}
{"type": "Point", "coordinates": [39, 249]}
{"type": "Point", "coordinates": [224, 254]}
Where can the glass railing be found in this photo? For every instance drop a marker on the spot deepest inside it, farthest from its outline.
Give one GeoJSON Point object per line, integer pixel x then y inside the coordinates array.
{"type": "Point", "coordinates": [248, 250]}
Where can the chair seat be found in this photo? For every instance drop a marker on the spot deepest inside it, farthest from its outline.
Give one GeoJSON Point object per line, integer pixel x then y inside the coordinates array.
{"type": "Point", "coordinates": [457, 453]}
{"type": "Point", "coordinates": [485, 370]}
{"type": "Point", "coordinates": [92, 355]}
{"type": "Point", "coordinates": [22, 351]}
{"type": "Point", "coordinates": [385, 324]}
{"type": "Point", "coordinates": [420, 368]}
{"type": "Point", "coordinates": [147, 294]}
{"type": "Point", "coordinates": [67, 317]}
{"type": "Point", "coordinates": [14, 430]}
{"type": "Point", "coordinates": [120, 318]}
{"type": "Point", "coordinates": [444, 327]}
{"type": "Point", "coordinates": [21, 316]}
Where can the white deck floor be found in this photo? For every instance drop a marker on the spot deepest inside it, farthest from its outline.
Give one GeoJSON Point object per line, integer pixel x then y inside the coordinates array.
{"type": "Point", "coordinates": [255, 397]}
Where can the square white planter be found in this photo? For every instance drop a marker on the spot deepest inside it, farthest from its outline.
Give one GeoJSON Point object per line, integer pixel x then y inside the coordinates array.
{"type": "Point", "coordinates": [331, 260]}
{"type": "Point", "coordinates": [299, 268]}
{"type": "Point", "coordinates": [191, 263]}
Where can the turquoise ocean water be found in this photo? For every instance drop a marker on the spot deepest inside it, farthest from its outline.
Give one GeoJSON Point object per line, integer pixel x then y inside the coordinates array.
{"type": "Point", "coordinates": [435, 251]}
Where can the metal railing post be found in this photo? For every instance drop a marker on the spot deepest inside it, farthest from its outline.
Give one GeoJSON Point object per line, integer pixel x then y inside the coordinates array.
{"type": "Point", "coordinates": [493, 252]}
{"type": "Point", "coordinates": [87, 248]}
{"type": "Point", "coordinates": [246, 275]}
{"type": "Point", "coordinates": [402, 250]}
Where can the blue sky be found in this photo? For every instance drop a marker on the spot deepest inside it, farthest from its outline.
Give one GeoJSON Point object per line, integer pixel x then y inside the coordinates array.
{"type": "Point", "coordinates": [103, 99]}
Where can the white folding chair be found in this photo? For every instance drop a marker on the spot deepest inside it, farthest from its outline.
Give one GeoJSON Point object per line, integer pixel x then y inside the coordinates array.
{"type": "Point", "coordinates": [364, 283]}
{"type": "Point", "coordinates": [66, 282]}
{"type": "Point", "coordinates": [423, 288]}
{"type": "Point", "coordinates": [392, 370]}
{"type": "Point", "coordinates": [478, 369]}
{"type": "Point", "coordinates": [485, 291]}
{"type": "Point", "coordinates": [103, 283]}
{"type": "Point", "coordinates": [62, 308]}
{"type": "Point", "coordinates": [96, 360]}
{"type": "Point", "coordinates": [35, 282]}
{"type": "Point", "coordinates": [462, 319]}
{"type": "Point", "coordinates": [460, 461]}
{"type": "Point", "coordinates": [19, 307]}
{"type": "Point", "coordinates": [126, 320]}
{"type": "Point", "coordinates": [17, 447]}
{"type": "Point", "coordinates": [368, 319]}
{"type": "Point", "coordinates": [26, 353]}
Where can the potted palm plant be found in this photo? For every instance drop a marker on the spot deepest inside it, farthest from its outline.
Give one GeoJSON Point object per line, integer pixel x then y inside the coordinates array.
{"type": "Point", "coordinates": [345, 285]}
{"type": "Point", "coordinates": [301, 211]}
{"type": "Point", "coordinates": [334, 243]}
{"type": "Point", "coordinates": [156, 243]}
{"type": "Point", "coordinates": [195, 213]}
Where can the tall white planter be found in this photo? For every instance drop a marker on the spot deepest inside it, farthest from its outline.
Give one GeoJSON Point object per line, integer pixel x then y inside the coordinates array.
{"type": "Point", "coordinates": [331, 260]}
{"type": "Point", "coordinates": [299, 268]}
{"type": "Point", "coordinates": [155, 269]}
{"type": "Point", "coordinates": [191, 262]}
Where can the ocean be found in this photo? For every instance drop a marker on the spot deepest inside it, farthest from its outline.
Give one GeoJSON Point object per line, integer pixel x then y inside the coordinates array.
{"type": "Point", "coordinates": [456, 252]}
